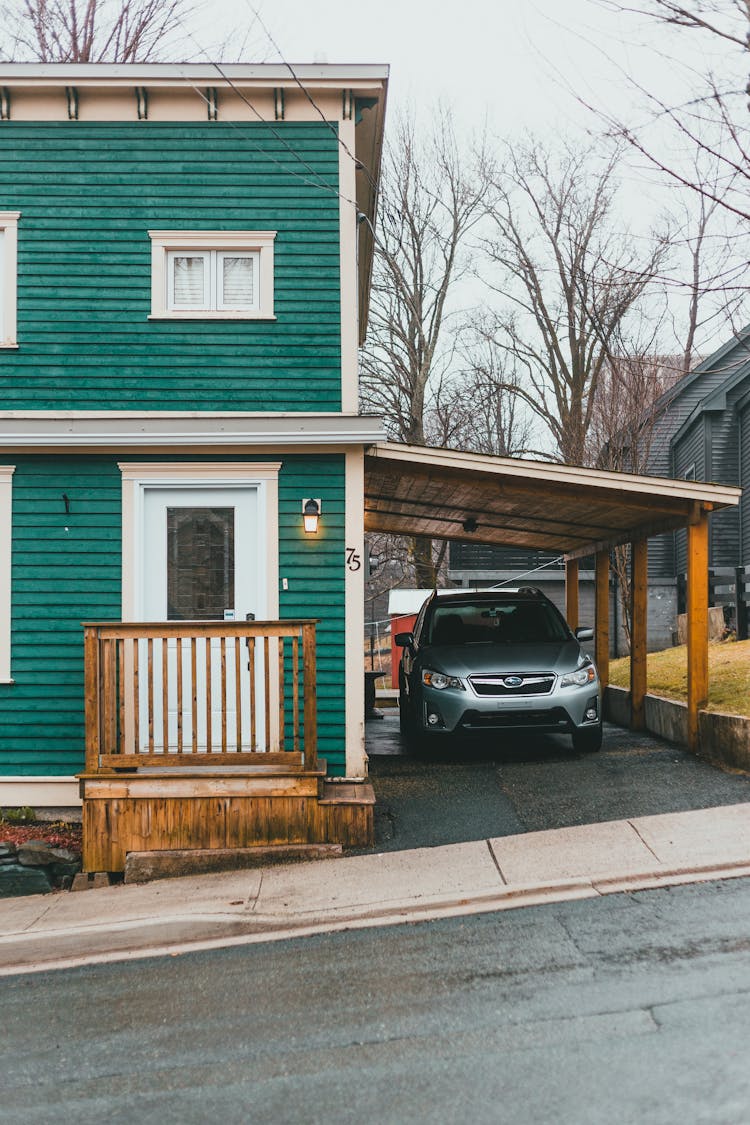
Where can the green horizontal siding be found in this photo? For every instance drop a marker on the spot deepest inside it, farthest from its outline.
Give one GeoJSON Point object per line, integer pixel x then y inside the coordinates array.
{"type": "Point", "coordinates": [62, 578]}
{"type": "Point", "coordinates": [89, 193]}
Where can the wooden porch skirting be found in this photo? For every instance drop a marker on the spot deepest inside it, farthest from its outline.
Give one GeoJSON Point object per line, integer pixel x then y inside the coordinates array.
{"type": "Point", "coordinates": [218, 808]}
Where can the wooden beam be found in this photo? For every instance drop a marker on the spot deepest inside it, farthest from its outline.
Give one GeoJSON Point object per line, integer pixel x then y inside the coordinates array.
{"type": "Point", "coordinates": [601, 650]}
{"type": "Point", "coordinates": [639, 632]}
{"type": "Point", "coordinates": [697, 609]}
{"type": "Point", "coordinates": [571, 593]}
{"type": "Point", "coordinates": [639, 531]}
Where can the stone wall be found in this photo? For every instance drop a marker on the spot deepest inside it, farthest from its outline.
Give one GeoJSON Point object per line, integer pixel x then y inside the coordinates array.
{"type": "Point", "coordinates": [722, 738]}
{"type": "Point", "coordinates": [35, 868]}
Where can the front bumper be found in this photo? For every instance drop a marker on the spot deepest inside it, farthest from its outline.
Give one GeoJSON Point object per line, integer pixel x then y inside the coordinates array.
{"type": "Point", "coordinates": [562, 711]}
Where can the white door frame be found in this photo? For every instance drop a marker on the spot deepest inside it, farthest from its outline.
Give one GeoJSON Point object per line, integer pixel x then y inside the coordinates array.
{"type": "Point", "coordinates": [138, 476]}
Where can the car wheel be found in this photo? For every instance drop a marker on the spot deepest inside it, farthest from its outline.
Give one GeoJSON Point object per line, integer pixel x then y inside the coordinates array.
{"type": "Point", "coordinates": [588, 741]}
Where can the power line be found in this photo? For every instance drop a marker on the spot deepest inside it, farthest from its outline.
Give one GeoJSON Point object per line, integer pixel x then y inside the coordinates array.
{"type": "Point", "coordinates": [373, 184]}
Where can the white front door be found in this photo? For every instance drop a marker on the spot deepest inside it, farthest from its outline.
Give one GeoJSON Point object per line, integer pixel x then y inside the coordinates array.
{"type": "Point", "coordinates": [201, 561]}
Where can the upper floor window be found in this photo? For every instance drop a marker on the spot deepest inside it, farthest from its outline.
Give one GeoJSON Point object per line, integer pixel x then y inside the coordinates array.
{"type": "Point", "coordinates": [8, 275]}
{"type": "Point", "coordinates": [212, 274]}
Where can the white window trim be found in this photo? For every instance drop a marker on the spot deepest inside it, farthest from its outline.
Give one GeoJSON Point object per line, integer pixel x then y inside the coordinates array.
{"type": "Point", "coordinates": [6, 537]}
{"type": "Point", "coordinates": [260, 242]}
{"type": "Point", "coordinates": [9, 287]}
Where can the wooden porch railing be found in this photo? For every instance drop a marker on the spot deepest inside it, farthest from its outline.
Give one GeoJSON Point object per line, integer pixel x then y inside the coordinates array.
{"type": "Point", "coordinates": [200, 692]}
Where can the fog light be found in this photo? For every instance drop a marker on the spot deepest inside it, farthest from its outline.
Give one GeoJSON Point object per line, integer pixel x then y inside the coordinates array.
{"type": "Point", "coordinates": [591, 713]}
{"type": "Point", "coordinates": [433, 719]}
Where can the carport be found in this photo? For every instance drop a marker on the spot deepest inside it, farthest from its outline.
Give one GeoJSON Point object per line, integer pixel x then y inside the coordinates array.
{"type": "Point", "coordinates": [444, 494]}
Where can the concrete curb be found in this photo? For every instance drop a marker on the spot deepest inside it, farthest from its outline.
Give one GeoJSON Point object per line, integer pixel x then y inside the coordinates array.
{"type": "Point", "coordinates": [266, 928]}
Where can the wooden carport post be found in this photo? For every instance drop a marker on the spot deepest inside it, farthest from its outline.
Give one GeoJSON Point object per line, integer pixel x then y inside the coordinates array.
{"type": "Point", "coordinates": [601, 617]}
{"type": "Point", "coordinates": [638, 632]}
{"type": "Point", "coordinates": [571, 593]}
{"type": "Point", "coordinates": [697, 631]}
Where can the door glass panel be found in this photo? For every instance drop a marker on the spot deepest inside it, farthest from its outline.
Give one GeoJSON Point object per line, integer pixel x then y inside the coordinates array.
{"type": "Point", "coordinates": [200, 563]}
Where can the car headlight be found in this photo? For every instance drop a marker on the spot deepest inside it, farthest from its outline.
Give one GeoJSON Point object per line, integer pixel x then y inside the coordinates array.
{"type": "Point", "coordinates": [438, 680]}
{"type": "Point", "coordinates": [583, 676]}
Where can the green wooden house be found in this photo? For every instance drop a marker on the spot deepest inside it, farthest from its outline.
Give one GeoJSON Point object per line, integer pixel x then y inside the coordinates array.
{"type": "Point", "coordinates": [185, 257]}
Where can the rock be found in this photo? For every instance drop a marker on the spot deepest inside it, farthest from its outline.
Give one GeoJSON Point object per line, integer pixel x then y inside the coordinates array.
{"type": "Point", "coordinates": [7, 851]}
{"type": "Point", "coordinates": [90, 880]}
{"type": "Point", "coordinates": [17, 881]}
{"type": "Point", "coordinates": [38, 854]}
{"type": "Point", "coordinates": [65, 870]}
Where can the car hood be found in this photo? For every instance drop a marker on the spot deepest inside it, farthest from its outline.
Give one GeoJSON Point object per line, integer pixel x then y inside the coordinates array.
{"type": "Point", "coordinates": [469, 660]}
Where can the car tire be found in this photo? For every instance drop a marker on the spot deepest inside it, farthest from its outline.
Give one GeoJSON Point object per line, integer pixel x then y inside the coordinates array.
{"type": "Point", "coordinates": [588, 741]}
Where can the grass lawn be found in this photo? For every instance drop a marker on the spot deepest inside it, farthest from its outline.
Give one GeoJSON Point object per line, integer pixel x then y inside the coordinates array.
{"type": "Point", "coordinates": [728, 675]}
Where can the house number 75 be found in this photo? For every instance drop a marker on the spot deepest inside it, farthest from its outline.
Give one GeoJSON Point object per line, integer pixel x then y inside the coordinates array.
{"type": "Point", "coordinates": [353, 561]}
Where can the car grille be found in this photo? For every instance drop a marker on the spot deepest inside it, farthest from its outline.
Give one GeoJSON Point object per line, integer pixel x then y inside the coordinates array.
{"type": "Point", "coordinates": [481, 720]}
{"type": "Point", "coordinates": [532, 683]}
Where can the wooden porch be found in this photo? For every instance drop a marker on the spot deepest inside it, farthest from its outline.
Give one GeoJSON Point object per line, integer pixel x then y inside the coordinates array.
{"type": "Point", "coordinates": [204, 735]}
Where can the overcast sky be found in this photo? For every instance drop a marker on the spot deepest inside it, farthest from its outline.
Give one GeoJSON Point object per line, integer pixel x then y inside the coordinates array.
{"type": "Point", "coordinates": [539, 65]}
{"type": "Point", "coordinates": [522, 62]}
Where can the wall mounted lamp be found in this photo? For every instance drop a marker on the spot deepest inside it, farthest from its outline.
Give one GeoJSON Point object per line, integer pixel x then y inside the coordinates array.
{"type": "Point", "coordinates": [311, 515]}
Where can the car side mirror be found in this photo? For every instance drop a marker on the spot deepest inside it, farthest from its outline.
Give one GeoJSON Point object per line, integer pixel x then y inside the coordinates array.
{"type": "Point", "coordinates": [404, 640]}
{"type": "Point", "coordinates": [585, 634]}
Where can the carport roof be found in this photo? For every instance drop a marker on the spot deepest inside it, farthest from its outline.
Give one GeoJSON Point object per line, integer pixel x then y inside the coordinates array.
{"type": "Point", "coordinates": [417, 490]}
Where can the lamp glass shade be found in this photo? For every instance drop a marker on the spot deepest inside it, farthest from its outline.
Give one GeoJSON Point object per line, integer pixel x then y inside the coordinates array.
{"type": "Point", "coordinates": [311, 516]}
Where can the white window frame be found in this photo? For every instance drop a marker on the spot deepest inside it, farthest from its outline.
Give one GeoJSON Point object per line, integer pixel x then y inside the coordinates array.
{"type": "Point", "coordinates": [212, 245]}
{"type": "Point", "coordinates": [6, 516]}
{"type": "Point", "coordinates": [8, 277]}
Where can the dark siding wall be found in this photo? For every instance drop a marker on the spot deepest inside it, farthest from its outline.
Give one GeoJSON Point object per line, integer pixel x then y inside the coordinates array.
{"type": "Point", "coordinates": [724, 468]}
{"type": "Point", "coordinates": [90, 192]}
{"type": "Point", "coordinates": [463, 557]}
{"type": "Point", "coordinates": [690, 450]}
{"type": "Point", "coordinates": [62, 578]}
{"type": "Point", "coordinates": [744, 439]}
{"type": "Point", "coordinates": [662, 559]}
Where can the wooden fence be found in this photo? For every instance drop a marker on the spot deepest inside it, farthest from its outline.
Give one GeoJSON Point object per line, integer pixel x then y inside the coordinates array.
{"type": "Point", "coordinates": [196, 693]}
{"type": "Point", "coordinates": [728, 587]}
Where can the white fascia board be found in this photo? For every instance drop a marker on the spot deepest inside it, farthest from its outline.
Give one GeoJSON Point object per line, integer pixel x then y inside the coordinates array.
{"type": "Point", "coordinates": [129, 74]}
{"type": "Point", "coordinates": [95, 429]}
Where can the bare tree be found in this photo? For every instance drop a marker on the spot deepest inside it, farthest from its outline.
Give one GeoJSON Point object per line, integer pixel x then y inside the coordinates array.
{"type": "Point", "coordinates": [567, 280]}
{"type": "Point", "coordinates": [431, 199]}
{"type": "Point", "coordinates": [90, 31]}
{"type": "Point", "coordinates": [481, 411]}
{"type": "Point", "coordinates": [711, 120]}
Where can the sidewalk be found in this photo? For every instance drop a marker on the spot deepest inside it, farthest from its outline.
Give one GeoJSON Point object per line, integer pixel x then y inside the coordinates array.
{"type": "Point", "coordinates": [268, 904]}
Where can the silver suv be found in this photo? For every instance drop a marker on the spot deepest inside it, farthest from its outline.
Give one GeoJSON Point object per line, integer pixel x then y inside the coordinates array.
{"type": "Point", "coordinates": [493, 660]}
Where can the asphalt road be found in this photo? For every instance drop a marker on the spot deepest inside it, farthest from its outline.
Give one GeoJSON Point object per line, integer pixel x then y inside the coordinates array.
{"type": "Point", "coordinates": [528, 783]}
{"type": "Point", "coordinates": [630, 1009]}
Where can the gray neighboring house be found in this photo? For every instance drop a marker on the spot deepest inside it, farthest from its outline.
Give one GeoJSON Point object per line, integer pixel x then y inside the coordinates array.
{"type": "Point", "coordinates": [700, 430]}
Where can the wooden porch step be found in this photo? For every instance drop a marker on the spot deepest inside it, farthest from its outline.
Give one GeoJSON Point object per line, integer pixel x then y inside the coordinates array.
{"type": "Point", "coordinates": [347, 793]}
{"type": "Point", "coordinates": [143, 812]}
{"type": "Point", "coordinates": [144, 867]}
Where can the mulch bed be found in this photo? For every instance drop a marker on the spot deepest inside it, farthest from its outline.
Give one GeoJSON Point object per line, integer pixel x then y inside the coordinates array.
{"type": "Point", "coordinates": [59, 835]}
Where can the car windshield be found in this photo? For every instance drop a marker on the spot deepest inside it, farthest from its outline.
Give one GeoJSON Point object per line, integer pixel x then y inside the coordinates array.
{"type": "Point", "coordinates": [496, 622]}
